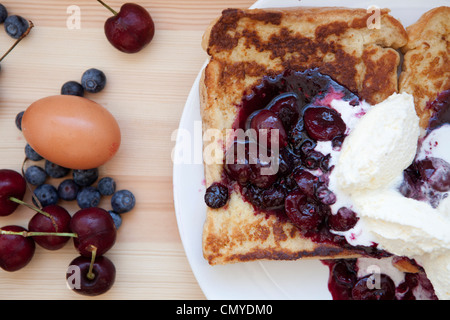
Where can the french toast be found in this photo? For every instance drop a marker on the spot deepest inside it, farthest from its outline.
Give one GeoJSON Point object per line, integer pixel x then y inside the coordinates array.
{"type": "Point", "coordinates": [246, 45]}
{"type": "Point", "coordinates": [426, 65]}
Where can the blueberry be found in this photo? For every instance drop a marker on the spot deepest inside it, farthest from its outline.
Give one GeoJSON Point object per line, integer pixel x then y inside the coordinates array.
{"type": "Point", "coordinates": [88, 197]}
{"type": "Point", "coordinates": [3, 13]}
{"type": "Point", "coordinates": [72, 88]}
{"type": "Point", "coordinates": [46, 194]}
{"type": "Point", "coordinates": [93, 80]}
{"type": "Point", "coordinates": [106, 186]}
{"type": "Point", "coordinates": [35, 175]}
{"type": "Point", "coordinates": [216, 196]}
{"type": "Point", "coordinates": [31, 154]}
{"type": "Point", "coordinates": [122, 201]}
{"type": "Point", "coordinates": [54, 170]}
{"type": "Point", "coordinates": [68, 190]}
{"type": "Point", "coordinates": [18, 120]}
{"type": "Point", "coordinates": [15, 26]}
{"type": "Point", "coordinates": [117, 218]}
{"type": "Point", "coordinates": [85, 177]}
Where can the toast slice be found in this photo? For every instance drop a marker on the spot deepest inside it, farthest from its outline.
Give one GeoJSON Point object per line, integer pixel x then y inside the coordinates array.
{"type": "Point", "coordinates": [246, 45]}
{"type": "Point", "coordinates": [426, 65]}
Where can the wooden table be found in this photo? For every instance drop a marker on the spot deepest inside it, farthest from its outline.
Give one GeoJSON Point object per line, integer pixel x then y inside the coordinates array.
{"type": "Point", "coordinates": [146, 92]}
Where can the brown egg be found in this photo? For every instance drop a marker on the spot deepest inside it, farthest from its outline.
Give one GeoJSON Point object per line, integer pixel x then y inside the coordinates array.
{"type": "Point", "coordinates": [71, 131]}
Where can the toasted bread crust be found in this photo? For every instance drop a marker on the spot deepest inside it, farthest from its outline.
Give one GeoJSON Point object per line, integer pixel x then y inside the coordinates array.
{"type": "Point", "coordinates": [426, 65]}
{"type": "Point", "coordinates": [246, 45]}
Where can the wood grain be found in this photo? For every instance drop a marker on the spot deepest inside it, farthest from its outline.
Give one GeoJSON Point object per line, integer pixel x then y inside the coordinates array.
{"type": "Point", "coordinates": [146, 93]}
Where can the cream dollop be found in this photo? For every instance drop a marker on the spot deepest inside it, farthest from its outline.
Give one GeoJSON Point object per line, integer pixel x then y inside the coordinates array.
{"type": "Point", "coordinates": [382, 145]}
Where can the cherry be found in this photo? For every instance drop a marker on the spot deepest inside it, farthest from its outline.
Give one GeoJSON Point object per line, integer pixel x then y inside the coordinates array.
{"type": "Point", "coordinates": [343, 220]}
{"type": "Point", "coordinates": [285, 107]}
{"type": "Point", "coordinates": [12, 185]}
{"type": "Point", "coordinates": [51, 219]}
{"type": "Point", "coordinates": [342, 278]}
{"type": "Point", "coordinates": [436, 172]}
{"type": "Point", "coordinates": [16, 250]}
{"type": "Point", "coordinates": [303, 211]}
{"type": "Point", "coordinates": [265, 122]}
{"type": "Point", "coordinates": [131, 29]}
{"type": "Point", "coordinates": [95, 230]}
{"type": "Point", "coordinates": [306, 181]}
{"type": "Point", "coordinates": [323, 123]}
{"type": "Point", "coordinates": [243, 164]}
{"type": "Point", "coordinates": [267, 199]}
{"type": "Point", "coordinates": [369, 288]}
{"type": "Point", "coordinates": [237, 164]}
{"type": "Point", "coordinates": [91, 276]}
{"type": "Point", "coordinates": [441, 110]}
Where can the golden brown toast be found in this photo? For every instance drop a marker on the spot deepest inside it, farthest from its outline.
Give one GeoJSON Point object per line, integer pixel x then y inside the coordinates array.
{"type": "Point", "coordinates": [244, 46]}
{"type": "Point", "coordinates": [426, 65]}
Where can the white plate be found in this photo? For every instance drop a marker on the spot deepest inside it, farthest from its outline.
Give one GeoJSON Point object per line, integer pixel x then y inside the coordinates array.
{"type": "Point", "coordinates": [305, 279]}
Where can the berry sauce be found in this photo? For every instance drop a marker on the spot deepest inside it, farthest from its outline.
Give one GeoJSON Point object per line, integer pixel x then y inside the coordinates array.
{"type": "Point", "coordinates": [350, 280]}
{"type": "Point", "coordinates": [296, 104]}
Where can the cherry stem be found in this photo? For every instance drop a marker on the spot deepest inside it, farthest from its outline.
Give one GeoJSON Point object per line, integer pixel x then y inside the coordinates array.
{"type": "Point", "coordinates": [108, 7]}
{"type": "Point", "coordinates": [90, 275]}
{"type": "Point", "coordinates": [30, 25]}
{"type": "Point", "coordinates": [37, 233]}
{"type": "Point", "coordinates": [48, 215]}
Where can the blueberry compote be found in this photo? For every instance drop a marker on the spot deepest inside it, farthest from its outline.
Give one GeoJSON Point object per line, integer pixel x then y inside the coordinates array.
{"type": "Point", "coordinates": [297, 104]}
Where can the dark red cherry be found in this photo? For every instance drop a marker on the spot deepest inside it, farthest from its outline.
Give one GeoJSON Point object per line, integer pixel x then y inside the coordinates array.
{"type": "Point", "coordinates": [306, 182]}
{"type": "Point", "coordinates": [323, 123]}
{"type": "Point", "coordinates": [95, 228]}
{"type": "Point", "coordinates": [436, 172]}
{"type": "Point", "coordinates": [131, 29]}
{"type": "Point", "coordinates": [343, 220]}
{"type": "Point", "coordinates": [247, 162]}
{"type": "Point", "coordinates": [266, 124]}
{"type": "Point", "coordinates": [342, 278]}
{"type": "Point", "coordinates": [325, 195]}
{"type": "Point", "coordinates": [16, 251]}
{"type": "Point", "coordinates": [441, 110]}
{"type": "Point", "coordinates": [98, 281]}
{"type": "Point", "coordinates": [374, 287]}
{"type": "Point", "coordinates": [263, 175]}
{"type": "Point", "coordinates": [58, 222]}
{"type": "Point", "coordinates": [343, 272]}
{"type": "Point", "coordinates": [271, 198]}
{"type": "Point", "coordinates": [237, 163]}
{"type": "Point", "coordinates": [303, 211]}
{"type": "Point", "coordinates": [285, 106]}
{"type": "Point", "coordinates": [12, 184]}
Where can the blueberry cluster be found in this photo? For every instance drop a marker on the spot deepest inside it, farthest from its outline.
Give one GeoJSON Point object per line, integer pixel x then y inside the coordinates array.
{"type": "Point", "coordinates": [83, 186]}
{"type": "Point", "coordinates": [92, 80]}
{"type": "Point", "coordinates": [15, 26]}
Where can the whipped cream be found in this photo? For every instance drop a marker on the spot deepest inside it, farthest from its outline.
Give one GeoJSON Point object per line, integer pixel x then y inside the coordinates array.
{"type": "Point", "coordinates": [381, 145]}
{"type": "Point", "coordinates": [366, 178]}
